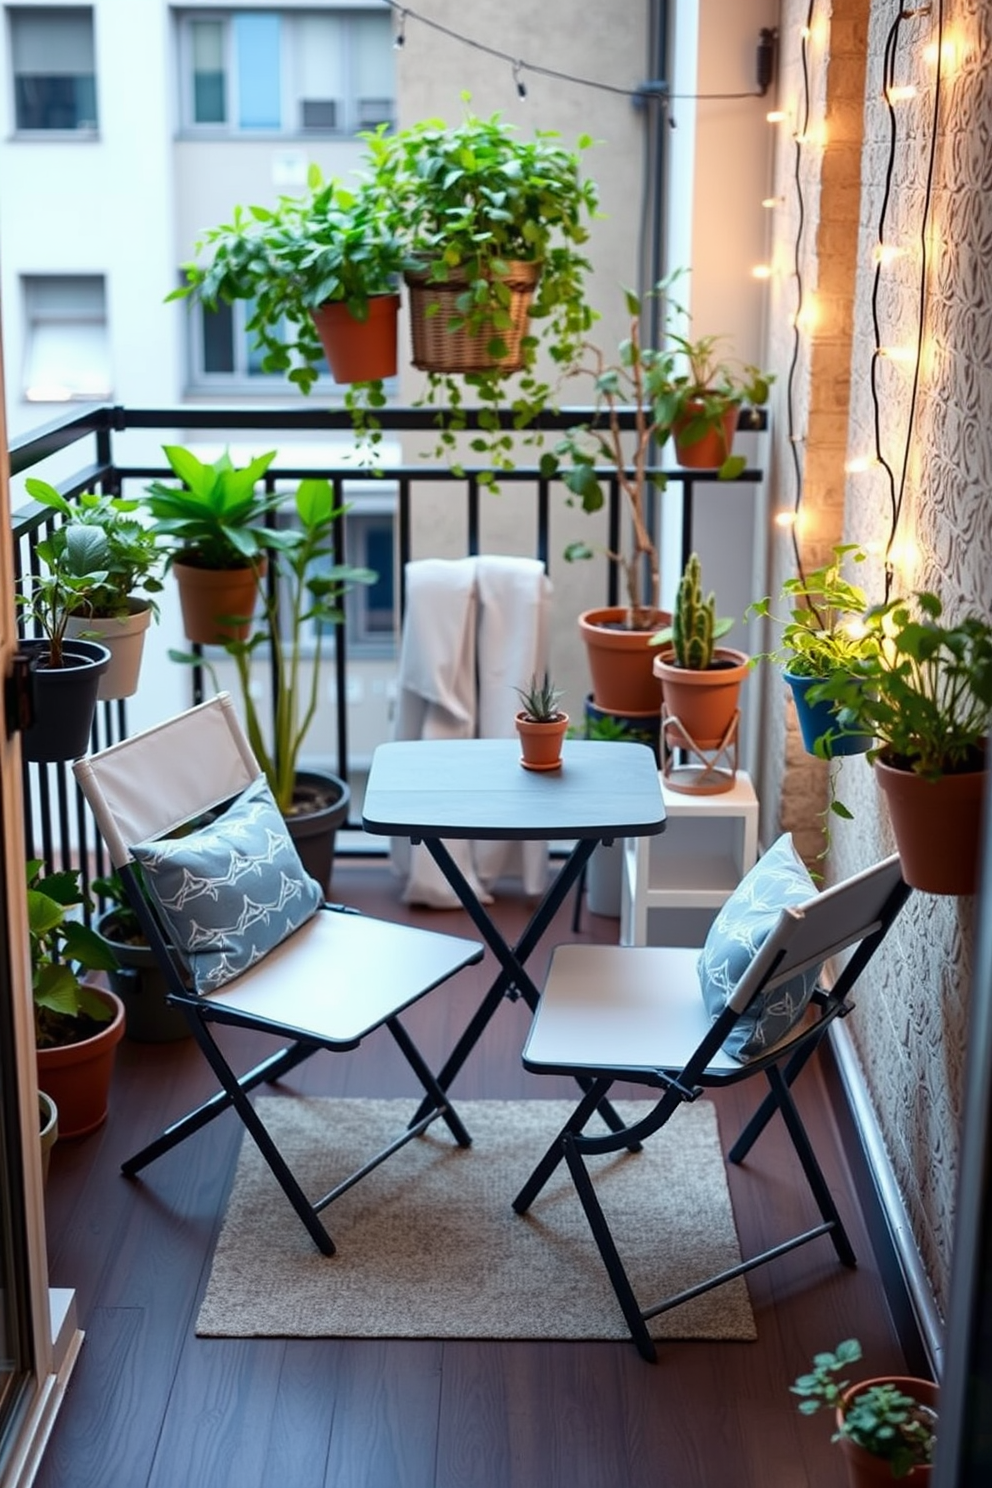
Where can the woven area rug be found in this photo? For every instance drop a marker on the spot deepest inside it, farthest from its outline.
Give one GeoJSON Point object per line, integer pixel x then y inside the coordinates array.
{"type": "Point", "coordinates": [429, 1247]}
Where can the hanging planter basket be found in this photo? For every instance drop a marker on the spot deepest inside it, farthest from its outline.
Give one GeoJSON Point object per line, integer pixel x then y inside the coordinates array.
{"type": "Point", "coordinates": [124, 638]}
{"type": "Point", "coordinates": [700, 448]}
{"type": "Point", "coordinates": [817, 719]}
{"type": "Point", "coordinates": [64, 699]}
{"type": "Point", "coordinates": [359, 350]}
{"type": "Point", "coordinates": [433, 306]}
{"type": "Point", "coordinates": [937, 827]}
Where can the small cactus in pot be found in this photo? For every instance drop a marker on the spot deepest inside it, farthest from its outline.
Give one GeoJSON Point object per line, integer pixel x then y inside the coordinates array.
{"type": "Point", "coordinates": [695, 627]}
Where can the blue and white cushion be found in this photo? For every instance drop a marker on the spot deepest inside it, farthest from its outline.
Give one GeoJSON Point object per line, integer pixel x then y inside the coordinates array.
{"type": "Point", "coordinates": [778, 880]}
{"type": "Point", "coordinates": [231, 891]}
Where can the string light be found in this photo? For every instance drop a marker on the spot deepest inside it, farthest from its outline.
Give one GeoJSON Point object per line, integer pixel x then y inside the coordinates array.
{"type": "Point", "coordinates": [770, 202]}
{"type": "Point", "coordinates": [776, 116]}
{"type": "Point", "coordinates": [901, 94]}
{"type": "Point", "coordinates": [761, 271]}
{"type": "Point", "coordinates": [521, 85]}
{"type": "Point", "coordinates": [400, 38]}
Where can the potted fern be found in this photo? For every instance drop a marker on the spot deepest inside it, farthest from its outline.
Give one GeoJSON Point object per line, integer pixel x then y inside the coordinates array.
{"type": "Point", "coordinates": [700, 681]}
{"type": "Point", "coordinates": [886, 1427]}
{"type": "Point", "coordinates": [296, 608]}
{"type": "Point", "coordinates": [541, 724]}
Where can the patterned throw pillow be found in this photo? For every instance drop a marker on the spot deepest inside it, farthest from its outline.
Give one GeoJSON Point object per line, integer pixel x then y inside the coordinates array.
{"type": "Point", "coordinates": [779, 879]}
{"type": "Point", "coordinates": [231, 891]}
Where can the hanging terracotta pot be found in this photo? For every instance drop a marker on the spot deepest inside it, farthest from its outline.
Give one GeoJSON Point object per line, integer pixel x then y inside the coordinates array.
{"type": "Point", "coordinates": [124, 638]}
{"type": "Point", "coordinates": [620, 660]}
{"type": "Point", "coordinates": [704, 702]}
{"type": "Point", "coordinates": [540, 742]}
{"type": "Point", "coordinates": [864, 1469]}
{"type": "Point", "coordinates": [433, 306]}
{"type": "Point", "coordinates": [63, 699]}
{"type": "Point", "coordinates": [714, 445]}
{"type": "Point", "coordinates": [816, 719]}
{"type": "Point", "coordinates": [937, 827]}
{"type": "Point", "coordinates": [321, 802]}
{"type": "Point", "coordinates": [359, 350]}
{"type": "Point", "coordinates": [77, 1076]}
{"type": "Point", "coordinates": [210, 598]}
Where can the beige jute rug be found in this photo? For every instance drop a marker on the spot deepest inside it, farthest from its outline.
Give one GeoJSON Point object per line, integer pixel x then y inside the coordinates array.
{"type": "Point", "coordinates": [429, 1247]}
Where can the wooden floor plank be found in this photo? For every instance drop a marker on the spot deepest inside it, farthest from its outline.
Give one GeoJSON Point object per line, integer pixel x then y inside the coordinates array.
{"type": "Point", "coordinates": [152, 1406]}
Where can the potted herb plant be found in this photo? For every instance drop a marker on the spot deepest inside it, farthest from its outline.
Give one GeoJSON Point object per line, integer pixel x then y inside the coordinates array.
{"type": "Point", "coordinates": [541, 724]}
{"type": "Point", "coordinates": [77, 1026]}
{"type": "Point", "coordinates": [320, 274]}
{"type": "Point", "coordinates": [65, 671]}
{"type": "Point", "coordinates": [886, 1427]}
{"type": "Point", "coordinates": [496, 225]}
{"type": "Point", "coordinates": [121, 562]}
{"type": "Point", "coordinates": [700, 681]}
{"type": "Point", "coordinates": [216, 535]}
{"type": "Point", "coordinates": [824, 632]}
{"type": "Point", "coordinates": [924, 694]}
{"type": "Point", "coordinates": [296, 610]}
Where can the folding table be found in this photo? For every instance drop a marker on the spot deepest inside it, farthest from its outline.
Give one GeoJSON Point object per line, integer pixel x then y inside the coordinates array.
{"type": "Point", "coordinates": [432, 789]}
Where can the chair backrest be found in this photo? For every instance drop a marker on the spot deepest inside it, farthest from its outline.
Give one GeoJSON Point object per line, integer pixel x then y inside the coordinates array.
{"type": "Point", "coordinates": [156, 780]}
{"type": "Point", "coordinates": [846, 914]}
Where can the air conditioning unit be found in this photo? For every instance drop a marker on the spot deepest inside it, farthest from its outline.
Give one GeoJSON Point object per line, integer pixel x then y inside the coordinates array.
{"type": "Point", "coordinates": [319, 113]}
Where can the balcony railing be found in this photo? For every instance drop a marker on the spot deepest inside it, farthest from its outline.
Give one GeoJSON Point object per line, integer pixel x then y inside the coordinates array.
{"type": "Point", "coordinates": [88, 452]}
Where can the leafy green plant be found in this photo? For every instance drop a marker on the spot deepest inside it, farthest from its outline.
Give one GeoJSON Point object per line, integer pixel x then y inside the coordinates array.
{"type": "Point", "coordinates": [540, 700]}
{"type": "Point", "coordinates": [475, 198]}
{"type": "Point", "coordinates": [882, 1418]}
{"type": "Point", "coordinates": [298, 606]}
{"type": "Point", "coordinates": [825, 629]}
{"type": "Point", "coordinates": [217, 517]}
{"type": "Point", "coordinates": [335, 243]}
{"type": "Point", "coordinates": [695, 627]}
{"type": "Point", "coordinates": [70, 575]}
{"type": "Point", "coordinates": [62, 946]}
{"type": "Point", "coordinates": [706, 386]}
{"type": "Point", "coordinates": [102, 544]}
{"type": "Point", "coordinates": [925, 691]}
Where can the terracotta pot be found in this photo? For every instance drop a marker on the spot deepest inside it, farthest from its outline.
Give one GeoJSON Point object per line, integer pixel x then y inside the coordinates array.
{"type": "Point", "coordinates": [815, 719]}
{"type": "Point", "coordinates": [124, 638]}
{"type": "Point", "coordinates": [435, 348]}
{"type": "Point", "coordinates": [712, 448]}
{"type": "Point", "coordinates": [704, 702]}
{"type": "Point", "coordinates": [63, 699]}
{"type": "Point", "coordinates": [209, 597]}
{"type": "Point", "coordinates": [864, 1470]}
{"type": "Point", "coordinates": [77, 1076]}
{"type": "Point", "coordinates": [937, 827]}
{"type": "Point", "coordinates": [540, 743]}
{"type": "Point", "coordinates": [638, 728]}
{"type": "Point", "coordinates": [323, 802]}
{"type": "Point", "coordinates": [359, 350]}
{"type": "Point", "coordinates": [620, 660]}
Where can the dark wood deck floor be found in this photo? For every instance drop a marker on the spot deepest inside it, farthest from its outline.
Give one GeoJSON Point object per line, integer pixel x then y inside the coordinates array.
{"type": "Point", "coordinates": [150, 1404]}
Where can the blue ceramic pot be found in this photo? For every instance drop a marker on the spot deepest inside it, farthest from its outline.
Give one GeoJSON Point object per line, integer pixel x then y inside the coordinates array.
{"type": "Point", "coordinates": [816, 719]}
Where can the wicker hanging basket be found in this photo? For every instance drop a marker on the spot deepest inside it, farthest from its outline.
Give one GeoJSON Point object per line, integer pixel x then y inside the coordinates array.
{"type": "Point", "coordinates": [438, 349]}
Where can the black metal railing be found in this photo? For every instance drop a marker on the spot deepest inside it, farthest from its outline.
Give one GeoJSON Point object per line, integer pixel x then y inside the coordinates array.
{"type": "Point", "coordinates": [56, 820]}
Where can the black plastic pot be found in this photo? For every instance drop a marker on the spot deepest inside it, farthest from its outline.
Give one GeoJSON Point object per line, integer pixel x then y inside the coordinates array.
{"type": "Point", "coordinates": [321, 802]}
{"type": "Point", "coordinates": [63, 699]}
{"type": "Point", "coordinates": [140, 984]}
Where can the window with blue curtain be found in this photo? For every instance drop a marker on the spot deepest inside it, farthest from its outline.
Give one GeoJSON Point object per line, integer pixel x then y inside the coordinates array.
{"type": "Point", "coordinates": [256, 42]}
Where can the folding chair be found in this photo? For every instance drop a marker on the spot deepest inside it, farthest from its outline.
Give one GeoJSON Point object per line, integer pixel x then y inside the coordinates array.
{"type": "Point", "coordinates": [636, 1014]}
{"type": "Point", "coordinates": [242, 933]}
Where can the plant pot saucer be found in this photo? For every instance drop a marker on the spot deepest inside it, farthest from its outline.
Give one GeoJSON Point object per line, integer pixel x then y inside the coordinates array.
{"type": "Point", "coordinates": [552, 765]}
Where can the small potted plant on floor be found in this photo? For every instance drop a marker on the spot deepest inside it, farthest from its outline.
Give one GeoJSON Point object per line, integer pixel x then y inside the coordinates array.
{"type": "Point", "coordinates": [65, 671]}
{"type": "Point", "coordinates": [925, 697]}
{"type": "Point", "coordinates": [297, 608]}
{"type": "Point", "coordinates": [77, 1026]}
{"type": "Point", "coordinates": [103, 542]}
{"type": "Point", "coordinates": [319, 273]}
{"type": "Point", "coordinates": [700, 681]}
{"type": "Point", "coordinates": [216, 534]}
{"type": "Point", "coordinates": [541, 724]}
{"type": "Point", "coordinates": [886, 1427]}
{"type": "Point", "coordinates": [136, 976]}
{"type": "Point", "coordinates": [824, 633]}
{"type": "Point", "coordinates": [496, 225]}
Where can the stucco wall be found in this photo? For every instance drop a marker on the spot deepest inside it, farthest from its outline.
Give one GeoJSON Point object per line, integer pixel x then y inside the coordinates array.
{"type": "Point", "coordinates": [910, 1029]}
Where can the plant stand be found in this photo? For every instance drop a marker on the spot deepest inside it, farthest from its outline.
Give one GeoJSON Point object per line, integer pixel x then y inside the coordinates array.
{"type": "Point", "coordinates": [698, 767]}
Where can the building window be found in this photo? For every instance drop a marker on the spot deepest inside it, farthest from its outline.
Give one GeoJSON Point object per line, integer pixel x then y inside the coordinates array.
{"type": "Point", "coordinates": [224, 353]}
{"type": "Point", "coordinates": [53, 68]}
{"type": "Point", "coordinates": [67, 352]}
{"type": "Point", "coordinates": [287, 72]}
{"type": "Point", "coordinates": [370, 609]}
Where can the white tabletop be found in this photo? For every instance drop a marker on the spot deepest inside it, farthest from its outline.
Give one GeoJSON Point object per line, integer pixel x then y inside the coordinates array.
{"type": "Point", "coordinates": [478, 788]}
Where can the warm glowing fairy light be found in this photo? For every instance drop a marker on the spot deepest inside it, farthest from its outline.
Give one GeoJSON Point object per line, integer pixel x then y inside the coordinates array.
{"type": "Point", "coordinates": [901, 93]}
{"type": "Point", "coordinates": [776, 116]}
{"type": "Point", "coordinates": [903, 355]}
{"type": "Point", "coordinates": [886, 253]}
{"type": "Point", "coordinates": [807, 317]}
{"type": "Point", "coordinates": [786, 518]}
{"type": "Point", "coordinates": [859, 464]}
{"type": "Point", "coordinates": [770, 202]}
{"type": "Point", "coordinates": [761, 271]}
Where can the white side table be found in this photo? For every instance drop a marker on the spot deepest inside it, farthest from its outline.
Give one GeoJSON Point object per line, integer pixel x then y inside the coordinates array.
{"type": "Point", "coordinates": [709, 844]}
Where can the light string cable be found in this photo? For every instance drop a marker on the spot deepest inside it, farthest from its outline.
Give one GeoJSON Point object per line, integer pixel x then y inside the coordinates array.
{"type": "Point", "coordinates": [794, 440]}
{"type": "Point", "coordinates": [897, 487]}
{"type": "Point", "coordinates": [519, 65]}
